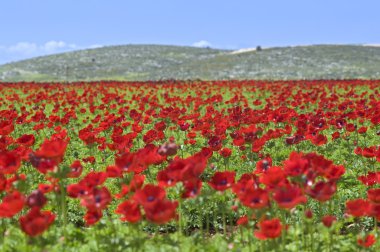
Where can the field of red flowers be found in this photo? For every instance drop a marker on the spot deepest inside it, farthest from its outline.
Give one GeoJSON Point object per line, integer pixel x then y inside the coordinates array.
{"type": "Point", "coordinates": [190, 166]}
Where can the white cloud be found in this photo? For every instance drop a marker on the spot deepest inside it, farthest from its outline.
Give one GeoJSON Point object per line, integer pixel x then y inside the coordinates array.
{"type": "Point", "coordinates": [202, 43]}
{"type": "Point", "coordinates": [95, 46]}
{"type": "Point", "coordinates": [53, 46]}
{"type": "Point", "coordinates": [24, 50]}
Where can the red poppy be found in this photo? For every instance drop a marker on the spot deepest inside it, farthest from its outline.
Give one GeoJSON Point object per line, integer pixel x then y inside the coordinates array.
{"type": "Point", "coordinates": [375, 211]}
{"type": "Point", "coordinates": [6, 127]}
{"type": "Point", "coordinates": [26, 140]}
{"type": "Point", "coordinates": [136, 182]}
{"type": "Point", "coordinates": [367, 241]}
{"type": "Point", "coordinates": [53, 149]}
{"type": "Point", "coordinates": [374, 195]}
{"type": "Point", "coordinates": [77, 190]}
{"type": "Point", "coordinates": [322, 191]}
{"type": "Point", "coordinates": [246, 182]}
{"type": "Point", "coordinates": [9, 162]}
{"type": "Point", "coordinates": [12, 204]}
{"type": "Point", "coordinates": [93, 179]}
{"type": "Point", "coordinates": [296, 165]}
{"type": "Point", "coordinates": [263, 165]}
{"type": "Point", "coordinates": [334, 172]}
{"type": "Point", "coordinates": [35, 222]}
{"type": "Point", "coordinates": [273, 177]}
{"type": "Point", "coordinates": [370, 179]}
{"type": "Point", "coordinates": [149, 195]}
{"type": "Point", "coordinates": [114, 172]}
{"type": "Point", "coordinates": [162, 212]}
{"type": "Point", "coordinates": [92, 217]}
{"type": "Point", "coordinates": [215, 143]}
{"type": "Point", "coordinates": [269, 229]}
{"type": "Point", "coordinates": [289, 196]}
{"type": "Point", "coordinates": [97, 199]}
{"type": "Point", "coordinates": [221, 181]}
{"type": "Point", "coordinates": [255, 198]}
{"type": "Point", "coordinates": [319, 140]}
{"type": "Point", "coordinates": [129, 210]}
{"type": "Point", "coordinates": [75, 169]}
{"type": "Point", "coordinates": [242, 221]}
{"type": "Point", "coordinates": [358, 207]}
{"type": "Point", "coordinates": [328, 220]}
{"type": "Point", "coordinates": [192, 188]}
{"type": "Point", "coordinates": [225, 152]}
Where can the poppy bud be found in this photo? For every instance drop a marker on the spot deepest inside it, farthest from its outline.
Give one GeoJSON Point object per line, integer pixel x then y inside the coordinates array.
{"type": "Point", "coordinates": [36, 199]}
{"type": "Point", "coordinates": [308, 214]}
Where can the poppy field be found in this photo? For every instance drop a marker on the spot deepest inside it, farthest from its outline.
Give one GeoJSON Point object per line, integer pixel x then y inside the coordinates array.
{"type": "Point", "coordinates": [190, 166]}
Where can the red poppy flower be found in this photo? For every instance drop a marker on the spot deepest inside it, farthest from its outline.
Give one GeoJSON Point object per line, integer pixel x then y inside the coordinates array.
{"type": "Point", "coordinates": [93, 179]}
{"type": "Point", "coordinates": [289, 196]}
{"type": "Point", "coordinates": [192, 188]}
{"type": "Point", "coordinates": [136, 182]}
{"type": "Point", "coordinates": [358, 207]}
{"type": "Point", "coordinates": [162, 212]}
{"type": "Point", "coordinates": [367, 241]}
{"type": "Point", "coordinates": [149, 195]}
{"type": "Point", "coordinates": [296, 165]}
{"type": "Point", "coordinates": [53, 149]}
{"type": "Point", "coordinates": [215, 143]}
{"type": "Point", "coordinates": [269, 229]}
{"type": "Point", "coordinates": [9, 162]}
{"type": "Point", "coordinates": [319, 140]}
{"type": "Point", "coordinates": [35, 222]}
{"type": "Point", "coordinates": [92, 217]}
{"type": "Point", "coordinates": [221, 181]}
{"type": "Point", "coordinates": [322, 191]}
{"type": "Point", "coordinates": [246, 182]}
{"type": "Point", "coordinates": [114, 172]}
{"type": "Point", "coordinates": [328, 220]}
{"type": "Point", "coordinates": [374, 195]}
{"type": "Point", "coordinates": [334, 172]}
{"type": "Point", "coordinates": [225, 152]}
{"type": "Point", "coordinates": [77, 190]}
{"type": "Point", "coordinates": [255, 198]}
{"type": "Point", "coordinates": [129, 210]}
{"type": "Point", "coordinates": [26, 140]}
{"type": "Point", "coordinates": [263, 165]}
{"type": "Point", "coordinates": [3, 182]}
{"type": "Point", "coordinates": [97, 199]}
{"type": "Point", "coordinates": [370, 179]}
{"type": "Point", "coordinates": [242, 221]}
{"type": "Point", "coordinates": [6, 127]}
{"type": "Point", "coordinates": [335, 135]}
{"type": "Point", "coordinates": [273, 177]}
{"type": "Point", "coordinates": [75, 169]}
{"type": "Point", "coordinates": [375, 211]}
{"type": "Point", "coordinates": [45, 188]}
{"type": "Point", "coordinates": [12, 204]}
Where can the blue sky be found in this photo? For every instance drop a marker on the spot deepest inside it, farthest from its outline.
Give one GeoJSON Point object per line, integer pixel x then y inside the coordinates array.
{"type": "Point", "coordinates": [38, 27]}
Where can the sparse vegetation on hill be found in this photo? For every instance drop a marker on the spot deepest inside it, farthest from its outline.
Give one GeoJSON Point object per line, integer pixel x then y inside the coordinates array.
{"type": "Point", "coordinates": [154, 62]}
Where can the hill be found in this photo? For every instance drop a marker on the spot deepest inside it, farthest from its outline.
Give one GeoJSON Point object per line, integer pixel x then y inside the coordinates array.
{"type": "Point", "coordinates": [155, 62]}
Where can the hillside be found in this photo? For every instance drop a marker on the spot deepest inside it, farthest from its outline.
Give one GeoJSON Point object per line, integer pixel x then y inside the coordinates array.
{"type": "Point", "coordinates": [155, 62]}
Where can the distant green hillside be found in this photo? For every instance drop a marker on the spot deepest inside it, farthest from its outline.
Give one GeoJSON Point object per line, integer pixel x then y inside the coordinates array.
{"type": "Point", "coordinates": [154, 62]}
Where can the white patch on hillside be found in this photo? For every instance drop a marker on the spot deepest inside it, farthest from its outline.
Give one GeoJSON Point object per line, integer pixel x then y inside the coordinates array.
{"type": "Point", "coordinates": [202, 44]}
{"type": "Point", "coordinates": [244, 50]}
{"type": "Point", "coordinates": [372, 45]}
